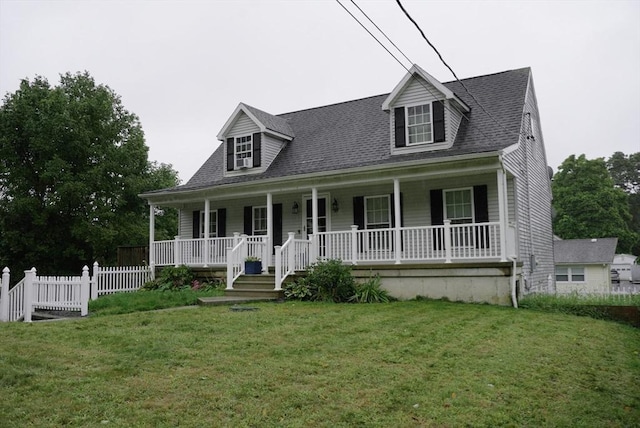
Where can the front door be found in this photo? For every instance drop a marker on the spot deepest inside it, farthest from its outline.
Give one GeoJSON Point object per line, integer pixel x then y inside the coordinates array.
{"type": "Point", "coordinates": [307, 226]}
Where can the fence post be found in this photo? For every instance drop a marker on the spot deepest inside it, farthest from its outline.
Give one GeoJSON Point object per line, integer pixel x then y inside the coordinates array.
{"type": "Point", "coordinates": [278, 266]}
{"type": "Point", "coordinates": [4, 295]}
{"type": "Point", "coordinates": [29, 277]}
{"type": "Point", "coordinates": [84, 290]}
{"type": "Point", "coordinates": [95, 280]}
{"type": "Point", "coordinates": [266, 255]}
{"type": "Point", "coordinates": [230, 262]}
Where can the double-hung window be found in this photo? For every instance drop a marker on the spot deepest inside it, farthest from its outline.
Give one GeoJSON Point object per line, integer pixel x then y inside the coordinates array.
{"type": "Point", "coordinates": [419, 124]}
{"type": "Point", "coordinates": [259, 220]}
{"type": "Point", "coordinates": [213, 224]}
{"type": "Point", "coordinates": [378, 216]}
{"type": "Point", "coordinates": [458, 208]}
{"type": "Point", "coordinates": [244, 152]}
{"type": "Point", "coordinates": [570, 274]}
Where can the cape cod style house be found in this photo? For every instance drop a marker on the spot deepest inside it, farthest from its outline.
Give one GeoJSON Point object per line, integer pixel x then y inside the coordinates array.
{"type": "Point", "coordinates": [441, 193]}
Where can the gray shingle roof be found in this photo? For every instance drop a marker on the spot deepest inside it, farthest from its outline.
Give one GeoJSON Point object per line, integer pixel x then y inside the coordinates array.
{"type": "Point", "coordinates": [271, 122]}
{"type": "Point", "coordinates": [326, 138]}
{"type": "Point", "coordinates": [584, 251]}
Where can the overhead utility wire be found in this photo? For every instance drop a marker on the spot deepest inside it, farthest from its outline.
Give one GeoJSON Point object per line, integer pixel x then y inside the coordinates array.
{"type": "Point", "coordinates": [405, 67]}
{"type": "Point", "coordinates": [450, 69]}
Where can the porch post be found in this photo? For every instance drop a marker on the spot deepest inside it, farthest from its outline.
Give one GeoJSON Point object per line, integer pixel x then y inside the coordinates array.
{"type": "Point", "coordinates": [314, 209]}
{"type": "Point", "coordinates": [176, 251]}
{"type": "Point", "coordinates": [354, 244]}
{"type": "Point", "coordinates": [269, 243]}
{"type": "Point", "coordinates": [207, 210]}
{"type": "Point", "coordinates": [397, 216]}
{"type": "Point", "coordinates": [447, 241]}
{"type": "Point", "coordinates": [152, 231]}
{"type": "Point", "coordinates": [502, 213]}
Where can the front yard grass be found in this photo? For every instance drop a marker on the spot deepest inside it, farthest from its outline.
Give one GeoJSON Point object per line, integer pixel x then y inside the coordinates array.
{"type": "Point", "coordinates": [419, 363]}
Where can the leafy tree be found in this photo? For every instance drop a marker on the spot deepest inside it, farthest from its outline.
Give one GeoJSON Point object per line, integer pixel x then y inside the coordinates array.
{"type": "Point", "coordinates": [625, 171]}
{"type": "Point", "coordinates": [588, 205]}
{"type": "Point", "coordinates": [72, 163]}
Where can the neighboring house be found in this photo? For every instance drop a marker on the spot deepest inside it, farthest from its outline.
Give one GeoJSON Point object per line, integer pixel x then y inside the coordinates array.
{"type": "Point", "coordinates": [584, 265]}
{"type": "Point", "coordinates": [623, 264]}
{"type": "Point", "coordinates": [441, 196]}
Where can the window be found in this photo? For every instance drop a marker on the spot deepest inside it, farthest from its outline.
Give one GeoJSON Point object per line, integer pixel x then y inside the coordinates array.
{"type": "Point", "coordinates": [244, 150]}
{"type": "Point", "coordinates": [213, 224]}
{"type": "Point", "coordinates": [419, 124]}
{"type": "Point", "coordinates": [378, 212]}
{"type": "Point", "coordinates": [458, 206]}
{"type": "Point", "coordinates": [259, 220]}
{"type": "Point", "coordinates": [569, 274]}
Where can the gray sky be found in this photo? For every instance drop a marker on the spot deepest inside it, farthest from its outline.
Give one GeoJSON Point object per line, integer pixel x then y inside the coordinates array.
{"type": "Point", "coordinates": [183, 66]}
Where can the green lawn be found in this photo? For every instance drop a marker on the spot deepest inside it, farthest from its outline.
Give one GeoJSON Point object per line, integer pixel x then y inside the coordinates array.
{"type": "Point", "coordinates": [403, 364]}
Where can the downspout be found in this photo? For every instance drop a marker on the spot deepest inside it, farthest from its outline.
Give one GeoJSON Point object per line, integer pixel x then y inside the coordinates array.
{"type": "Point", "coordinates": [514, 298]}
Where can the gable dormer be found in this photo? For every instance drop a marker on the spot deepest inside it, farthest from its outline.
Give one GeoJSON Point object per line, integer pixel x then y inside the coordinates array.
{"type": "Point", "coordinates": [252, 139]}
{"type": "Point", "coordinates": [425, 114]}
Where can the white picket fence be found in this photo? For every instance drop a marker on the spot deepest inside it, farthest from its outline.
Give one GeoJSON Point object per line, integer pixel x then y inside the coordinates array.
{"type": "Point", "coordinates": [66, 293]}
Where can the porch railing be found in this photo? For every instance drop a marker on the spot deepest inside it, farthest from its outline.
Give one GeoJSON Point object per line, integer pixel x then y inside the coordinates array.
{"type": "Point", "coordinates": [445, 243]}
{"type": "Point", "coordinates": [294, 255]}
{"type": "Point", "coordinates": [247, 246]}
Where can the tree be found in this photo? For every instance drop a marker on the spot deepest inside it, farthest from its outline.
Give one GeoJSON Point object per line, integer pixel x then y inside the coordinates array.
{"type": "Point", "coordinates": [72, 163]}
{"type": "Point", "coordinates": [588, 205]}
{"type": "Point", "coordinates": [625, 171]}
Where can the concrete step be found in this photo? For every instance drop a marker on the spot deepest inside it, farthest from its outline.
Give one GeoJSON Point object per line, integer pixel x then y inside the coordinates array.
{"type": "Point", "coordinates": [256, 292]}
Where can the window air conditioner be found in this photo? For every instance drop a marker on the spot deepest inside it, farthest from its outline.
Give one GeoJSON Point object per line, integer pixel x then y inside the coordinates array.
{"type": "Point", "coordinates": [244, 163]}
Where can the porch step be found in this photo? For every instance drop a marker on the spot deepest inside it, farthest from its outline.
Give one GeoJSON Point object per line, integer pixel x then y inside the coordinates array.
{"type": "Point", "coordinates": [262, 286]}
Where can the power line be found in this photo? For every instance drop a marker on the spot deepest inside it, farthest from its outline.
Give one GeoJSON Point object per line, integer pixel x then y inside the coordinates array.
{"type": "Point", "coordinates": [450, 69]}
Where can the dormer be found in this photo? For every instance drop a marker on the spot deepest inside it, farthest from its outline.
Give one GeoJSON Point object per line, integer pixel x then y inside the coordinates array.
{"type": "Point", "coordinates": [252, 139]}
{"type": "Point", "coordinates": [425, 114]}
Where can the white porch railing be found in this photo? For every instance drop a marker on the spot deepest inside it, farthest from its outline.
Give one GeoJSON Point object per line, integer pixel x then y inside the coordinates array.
{"type": "Point", "coordinates": [294, 255]}
{"type": "Point", "coordinates": [195, 252]}
{"type": "Point", "coordinates": [248, 246]}
{"type": "Point", "coordinates": [445, 243]}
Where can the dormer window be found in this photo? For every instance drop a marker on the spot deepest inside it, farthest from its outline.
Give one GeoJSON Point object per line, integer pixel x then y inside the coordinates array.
{"type": "Point", "coordinates": [419, 124]}
{"type": "Point", "coordinates": [244, 152]}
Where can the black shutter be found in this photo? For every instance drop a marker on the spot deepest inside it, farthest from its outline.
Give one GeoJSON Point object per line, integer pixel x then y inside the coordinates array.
{"type": "Point", "coordinates": [222, 222]}
{"type": "Point", "coordinates": [438, 121]}
{"type": "Point", "coordinates": [437, 217]}
{"type": "Point", "coordinates": [230, 156]}
{"type": "Point", "coordinates": [481, 213]}
{"type": "Point", "coordinates": [196, 225]}
{"type": "Point", "coordinates": [358, 216]}
{"type": "Point", "coordinates": [257, 138]}
{"type": "Point", "coordinates": [358, 211]}
{"type": "Point", "coordinates": [248, 221]}
{"type": "Point", "coordinates": [400, 137]}
{"type": "Point", "coordinates": [277, 225]}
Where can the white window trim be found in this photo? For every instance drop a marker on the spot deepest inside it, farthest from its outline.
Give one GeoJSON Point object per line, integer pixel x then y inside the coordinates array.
{"type": "Point", "coordinates": [406, 124]}
{"type": "Point", "coordinates": [253, 220]}
{"type": "Point", "coordinates": [236, 142]}
{"type": "Point", "coordinates": [444, 202]}
{"type": "Point", "coordinates": [570, 274]}
{"type": "Point", "coordinates": [366, 217]}
{"type": "Point", "coordinates": [213, 232]}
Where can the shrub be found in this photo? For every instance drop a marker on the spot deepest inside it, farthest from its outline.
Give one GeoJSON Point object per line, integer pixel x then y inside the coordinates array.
{"type": "Point", "coordinates": [370, 292]}
{"type": "Point", "coordinates": [178, 278]}
{"type": "Point", "coordinates": [328, 281]}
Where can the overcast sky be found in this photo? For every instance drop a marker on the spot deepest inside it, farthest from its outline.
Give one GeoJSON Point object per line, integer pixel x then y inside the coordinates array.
{"type": "Point", "coordinates": [183, 66]}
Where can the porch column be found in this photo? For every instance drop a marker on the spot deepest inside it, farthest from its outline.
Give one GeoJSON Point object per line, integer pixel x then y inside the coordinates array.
{"type": "Point", "coordinates": [502, 212]}
{"type": "Point", "coordinates": [269, 243]}
{"type": "Point", "coordinates": [397, 216]}
{"type": "Point", "coordinates": [207, 226]}
{"type": "Point", "coordinates": [314, 209]}
{"type": "Point", "coordinates": [152, 230]}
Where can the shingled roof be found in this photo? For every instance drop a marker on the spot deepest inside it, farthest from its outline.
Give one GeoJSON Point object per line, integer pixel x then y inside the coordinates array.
{"type": "Point", "coordinates": [584, 251]}
{"type": "Point", "coordinates": [356, 133]}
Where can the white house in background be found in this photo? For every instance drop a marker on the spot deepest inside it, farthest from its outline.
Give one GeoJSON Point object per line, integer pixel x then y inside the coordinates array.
{"type": "Point", "coordinates": [441, 196]}
{"type": "Point", "coordinates": [623, 264]}
{"type": "Point", "coordinates": [584, 265]}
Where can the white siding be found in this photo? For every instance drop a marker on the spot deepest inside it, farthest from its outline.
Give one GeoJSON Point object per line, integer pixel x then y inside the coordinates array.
{"type": "Point", "coordinates": [243, 126]}
{"type": "Point", "coordinates": [270, 148]}
{"type": "Point", "coordinates": [596, 280]}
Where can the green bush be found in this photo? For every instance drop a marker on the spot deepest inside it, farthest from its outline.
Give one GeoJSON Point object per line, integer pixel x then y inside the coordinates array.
{"type": "Point", "coordinates": [370, 292]}
{"type": "Point", "coordinates": [178, 279]}
{"type": "Point", "coordinates": [327, 281]}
